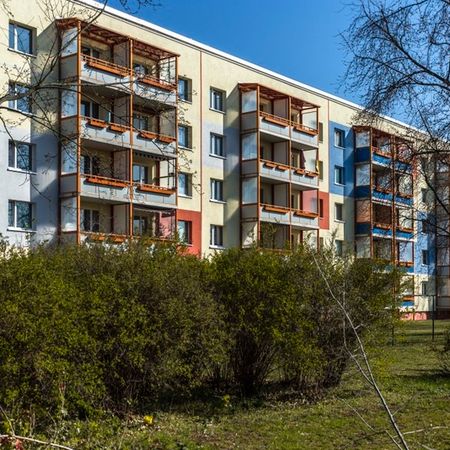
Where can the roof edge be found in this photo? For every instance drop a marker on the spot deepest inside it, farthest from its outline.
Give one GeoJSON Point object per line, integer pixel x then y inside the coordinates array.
{"type": "Point", "coordinates": [242, 62]}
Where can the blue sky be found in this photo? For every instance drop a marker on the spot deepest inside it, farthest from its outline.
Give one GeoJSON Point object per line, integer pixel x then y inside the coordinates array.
{"type": "Point", "coordinates": [298, 38]}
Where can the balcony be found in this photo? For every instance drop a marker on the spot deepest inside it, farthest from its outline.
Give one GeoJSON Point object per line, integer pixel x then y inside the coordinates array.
{"type": "Point", "coordinates": [97, 71]}
{"type": "Point", "coordinates": [156, 196]}
{"type": "Point", "coordinates": [274, 170]}
{"type": "Point", "coordinates": [274, 214]}
{"type": "Point", "coordinates": [97, 130]}
{"type": "Point", "coordinates": [404, 198]}
{"type": "Point", "coordinates": [155, 89]}
{"type": "Point", "coordinates": [155, 143]}
{"type": "Point", "coordinates": [381, 156]}
{"type": "Point", "coordinates": [304, 177]}
{"type": "Point", "coordinates": [305, 135]}
{"type": "Point", "coordinates": [304, 219]}
{"type": "Point", "coordinates": [275, 125]}
{"type": "Point", "coordinates": [110, 238]}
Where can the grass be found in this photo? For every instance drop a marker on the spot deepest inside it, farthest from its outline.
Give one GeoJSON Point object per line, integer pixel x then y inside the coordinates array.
{"type": "Point", "coordinates": [349, 417]}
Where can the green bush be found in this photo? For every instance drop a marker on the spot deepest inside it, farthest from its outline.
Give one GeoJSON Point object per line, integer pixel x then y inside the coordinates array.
{"type": "Point", "coordinates": [93, 328]}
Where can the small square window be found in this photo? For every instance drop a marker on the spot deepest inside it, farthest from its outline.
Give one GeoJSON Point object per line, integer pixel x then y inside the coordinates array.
{"type": "Point", "coordinates": [185, 231]}
{"type": "Point", "coordinates": [339, 211]}
{"type": "Point", "coordinates": [216, 236]}
{"type": "Point", "coordinates": [23, 101]}
{"type": "Point", "coordinates": [339, 137]}
{"type": "Point", "coordinates": [424, 288]}
{"type": "Point", "coordinates": [184, 184]}
{"type": "Point", "coordinates": [339, 247]}
{"type": "Point", "coordinates": [20, 214]}
{"type": "Point", "coordinates": [185, 89]}
{"type": "Point", "coordinates": [90, 220]}
{"type": "Point", "coordinates": [185, 136]}
{"type": "Point", "coordinates": [20, 156]}
{"type": "Point", "coordinates": [217, 100]}
{"type": "Point", "coordinates": [217, 190]}
{"type": "Point", "coordinates": [425, 257]}
{"type": "Point", "coordinates": [217, 142]}
{"type": "Point", "coordinates": [20, 38]}
{"type": "Point", "coordinates": [339, 175]}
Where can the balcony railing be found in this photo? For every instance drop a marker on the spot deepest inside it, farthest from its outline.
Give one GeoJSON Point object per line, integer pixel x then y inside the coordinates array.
{"type": "Point", "coordinates": [155, 81]}
{"type": "Point", "coordinates": [106, 66]}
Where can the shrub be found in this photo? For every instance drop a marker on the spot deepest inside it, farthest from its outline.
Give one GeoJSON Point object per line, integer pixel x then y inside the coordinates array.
{"type": "Point", "coordinates": [444, 355]}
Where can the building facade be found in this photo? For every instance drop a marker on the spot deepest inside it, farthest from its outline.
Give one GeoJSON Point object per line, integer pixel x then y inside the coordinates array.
{"type": "Point", "coordinates": [133, 131]}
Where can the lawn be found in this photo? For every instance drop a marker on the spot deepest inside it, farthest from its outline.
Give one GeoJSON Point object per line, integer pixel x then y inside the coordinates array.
{"type": "Point", "coordinates": [349, 418]}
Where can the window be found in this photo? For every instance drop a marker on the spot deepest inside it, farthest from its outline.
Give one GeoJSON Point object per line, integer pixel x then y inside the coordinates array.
{"type": "Point", "coordinates": [339, 247]}
{"type": "Point", "coordinates": [338, 211]}
{"type": "Point", "coordinates": [321, 208]}
{"type": "Point", "coordinates": [338, 175]}
{"type": "Point", "coordinates": [184, 136]}
{"type": "Point", "coordinates": [21, 103]}
{"type": "Point", "coordinates": [89, 51]}
{"type": "Point", "coordinates": [320, 132]}
{"type": "Point", "coordinates": [90, 109]}
{"type": "Point", "coordinates": [184, 184]}
{"type": "Point", "coordinates": [20, 156]}
{"type": "Point", "coordinates": [140, 174]}
{"type": "Point", "coordinates": [424, 195]}
{"type": "Point", "coordinates": [320, 167]}
{"type": "Point", "coordinates": [424, 288]}
{"type": "Point", "coordinates": [217, 190]}
{"type": "Point", "coordinates": [20, 38]}
{"type": "Point", "coordinates": [216, 236]}
{"type": "Point", "coordinates": [216, 145]}
{"type": "Point", "coordinates": [185, 231]}
{"type": "Point", "coordinates": [217, 101]}
{"type": "Point", "coordinates": [425, 257]}
{"type": "Point", "coordinates": [89, 165]}
{"type": "Point", "coordinates": [20, 215]}
{"type": "Point", "coordinates": [426, 226]}
{"type": "Point", "coordinates": [140, 70]}
{"type": "Point", "coordinates": [185, 89]}
{"type": "Point", "coordinates": [90, 220]}
{"type": "Point", "coordinates": [339, 137]}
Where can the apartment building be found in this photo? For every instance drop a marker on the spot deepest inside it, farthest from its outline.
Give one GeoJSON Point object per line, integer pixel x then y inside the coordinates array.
{"type": "Point", "coordinates": [151, 135]}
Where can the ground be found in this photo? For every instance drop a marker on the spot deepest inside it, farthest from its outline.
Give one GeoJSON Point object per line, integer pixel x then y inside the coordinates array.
{"type": "Point", "coordinates": [408, 373]}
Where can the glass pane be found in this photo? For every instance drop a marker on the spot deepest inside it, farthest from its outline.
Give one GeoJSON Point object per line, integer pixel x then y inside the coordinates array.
{"type": "Point", "coordinates": [12, 155]}
{"type": "Point", "coordinates": [182, 136]}
{"type": "Point", "coordinates": [11, 207]}
{"type": "Point", "coordinates": [23, 39]}
{"type": "Point", "coordinates": [23, 211]}
{"type": "Point", "coordinates": [23, 157]}
{"type": "Point", "coordinates": [182, 183]}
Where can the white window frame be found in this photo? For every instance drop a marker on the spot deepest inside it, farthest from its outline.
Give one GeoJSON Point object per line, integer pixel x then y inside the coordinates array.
{"type": "Point", "coordinates": [15, 46]}
{"type": "Point", "coordinates": [12, 156]}
{"type": "Point", "coordinates": [339, 169]}
{"type": "Point", "coordinates": [216, 190]}
{"type": "Point", "coordinates": [186, 235]}
{"type": "Point", "coordinates": [216, 236]}
{"type": "Point", "coordinates": [214, 137]}
{"type": "Point", "coordinates": [338, 206]}
{"type": "Point", "coordinates": [13, 104]}
{"type": "Point", "coordinates": [14, 225]}
{"type": "Point", "coordinates": [188, 136]}
{"type": "Point", "coordinates": [188, 89]}
{"type": "Point", "coordinates": [188, 184]}
{"type": "Point", "coordinates": [217, 93]}
{"type": "Point", "coordinates": [339, 135]}
{"type": "Point", "coordinates": [94, 225]}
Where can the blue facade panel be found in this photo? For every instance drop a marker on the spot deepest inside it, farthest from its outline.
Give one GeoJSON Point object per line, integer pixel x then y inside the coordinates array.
{"type": "Point", "coordinates": [382, 196]}
{"type": "Point", "coordinates": [362, 228]}
{"type": "Point", "coordinates": [382, 160]}
{"type": "Point", "coordinates": [362, 154]}
{"type": "Point", "coordinates": [342, 157]}
{"type": "Point", "coordinates": [424, 241]}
